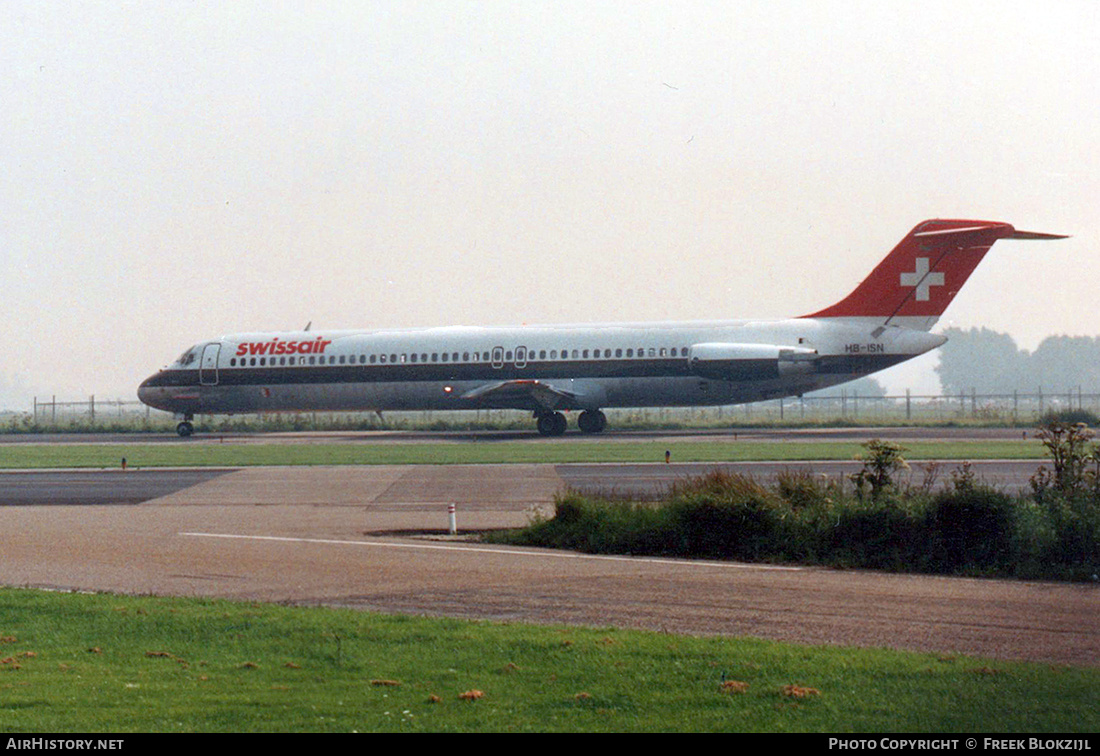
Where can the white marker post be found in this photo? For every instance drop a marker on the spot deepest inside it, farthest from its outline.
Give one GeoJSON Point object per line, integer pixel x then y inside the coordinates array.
{"type": "Point", "coordinates": [452, 522]}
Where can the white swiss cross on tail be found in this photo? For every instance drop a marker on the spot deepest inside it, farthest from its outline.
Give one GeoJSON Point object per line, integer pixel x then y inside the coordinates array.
{"type": "Point", "coordinates": [896, 294]}
{"type": "Point", "coordinates": [922, 279]}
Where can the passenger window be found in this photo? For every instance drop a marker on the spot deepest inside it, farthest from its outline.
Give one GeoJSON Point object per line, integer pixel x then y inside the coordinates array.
{"type": "Point", "coordinates": [445, 357]}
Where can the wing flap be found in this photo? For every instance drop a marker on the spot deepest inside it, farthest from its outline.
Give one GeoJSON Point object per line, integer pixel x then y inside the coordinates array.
{"type": "Point", "coordinates": [509, 393]}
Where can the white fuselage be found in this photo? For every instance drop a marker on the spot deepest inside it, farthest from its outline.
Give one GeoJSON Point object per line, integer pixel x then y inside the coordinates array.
{"type": "Point", "coordinates": [538, 368]}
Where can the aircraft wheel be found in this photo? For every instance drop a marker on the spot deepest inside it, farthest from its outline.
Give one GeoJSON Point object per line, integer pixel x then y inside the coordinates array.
{"type": "Point", "coordinates": [185, 429]}
{"type": "Point", "coordinates": [545, 424]}
{"type": "Point", "coordinates": [592, 421]}
{"type": "Point", "coordinates": [551, 423]}
{"type": "Point", "coordinates": [560, 424]}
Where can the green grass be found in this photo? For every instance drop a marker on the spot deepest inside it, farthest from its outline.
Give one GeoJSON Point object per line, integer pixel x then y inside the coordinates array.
{"type": "Point", "coordinates": [205, 453]}
{"type": "Point", "coordinates": [107, 663]}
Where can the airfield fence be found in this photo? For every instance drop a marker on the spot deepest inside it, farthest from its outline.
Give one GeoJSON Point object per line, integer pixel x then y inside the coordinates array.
{"type": "Point", "coordinates": [1018, 407]}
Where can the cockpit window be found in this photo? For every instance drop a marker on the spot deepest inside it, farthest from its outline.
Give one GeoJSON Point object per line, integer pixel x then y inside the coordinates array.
{"type": "Point", "coordinates": [187, 357]}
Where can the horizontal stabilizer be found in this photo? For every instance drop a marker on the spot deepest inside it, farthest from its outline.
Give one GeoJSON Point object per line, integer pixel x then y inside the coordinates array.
{"type": "Point", "coordinates": [1035, 235]}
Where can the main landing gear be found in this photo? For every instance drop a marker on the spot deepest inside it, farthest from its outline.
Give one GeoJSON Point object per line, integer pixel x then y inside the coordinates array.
{"type": "Point", "coordinates": [592, 421]}
{"type": "Point", "coordinates": [554, 423]}
{"type": "Point", "coordinates": [550, 423]}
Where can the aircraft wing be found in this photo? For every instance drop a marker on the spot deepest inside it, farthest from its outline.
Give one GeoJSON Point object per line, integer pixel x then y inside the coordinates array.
{"type": "Point", "coordinates": [537, 394]}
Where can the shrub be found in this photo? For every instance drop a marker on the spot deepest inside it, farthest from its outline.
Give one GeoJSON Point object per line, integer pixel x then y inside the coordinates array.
{"type": "Point", "coordinates": [970, 527]}
{"type": "Point", "coordinates": [966, 529]}
{"type": "Point", "coordinates": [1070, 417]}
{"type": "Point", "coordinates": [602, 527]}
{"type": "Point", "coordinates": [727, 528]}
{"type": "Point", "coordinates": [1075, 547]}
{"type": "Point", "coordinates": [1033, 538]}
{"type": "Point", "coordinates": [879, 534]}
{"type": "Point", "coordinates": [801, 489]}
{"type": "Point", "coordinates": [719, 484]}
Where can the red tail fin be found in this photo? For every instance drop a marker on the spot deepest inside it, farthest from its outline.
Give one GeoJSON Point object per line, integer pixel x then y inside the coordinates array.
{"type": "Point", "coordinates": [922, 275]}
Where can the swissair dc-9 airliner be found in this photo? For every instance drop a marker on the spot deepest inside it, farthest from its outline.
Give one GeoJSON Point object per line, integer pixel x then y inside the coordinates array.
{"type": "Point", "coordinates": [586, 368]}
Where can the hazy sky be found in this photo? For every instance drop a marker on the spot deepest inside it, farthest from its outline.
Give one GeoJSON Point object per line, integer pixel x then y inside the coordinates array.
{"type": "Point", "coordinates": [173, 171]}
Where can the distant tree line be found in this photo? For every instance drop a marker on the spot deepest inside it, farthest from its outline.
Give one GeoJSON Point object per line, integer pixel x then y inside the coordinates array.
{"type": "Point", "coordinates": [990, 363]}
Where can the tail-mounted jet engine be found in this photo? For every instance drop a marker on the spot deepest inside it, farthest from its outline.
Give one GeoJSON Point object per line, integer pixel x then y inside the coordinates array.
{"type": "Point", "coordinates": [749, 362]}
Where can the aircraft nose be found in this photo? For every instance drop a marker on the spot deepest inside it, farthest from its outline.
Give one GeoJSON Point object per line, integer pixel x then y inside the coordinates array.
{"type": "Point", "coordinates": [145, 392]}
{"type": "Point", "coordinates": [150, 393]}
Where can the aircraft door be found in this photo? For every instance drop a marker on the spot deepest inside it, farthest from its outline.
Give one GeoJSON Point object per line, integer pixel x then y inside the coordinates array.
{"type": "Point", "coordinates": [208, 366]}
{"type": "Point", "coordinates": [521, 357]}
{"type": "Point", "coordinates": [498, 357]}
